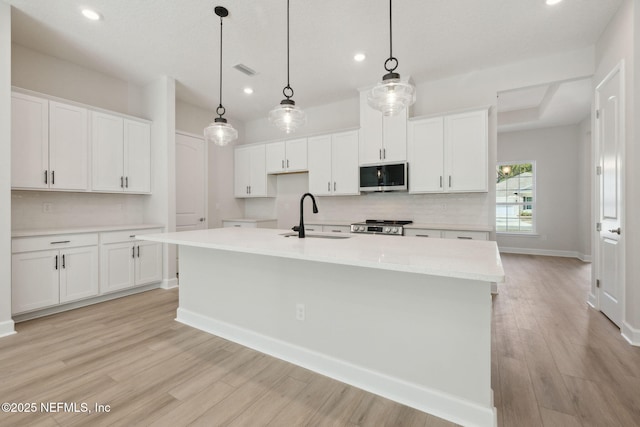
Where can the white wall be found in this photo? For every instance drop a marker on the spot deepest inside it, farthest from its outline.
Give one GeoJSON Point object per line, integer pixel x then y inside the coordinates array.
{"type": "Point", "coordinates": [74, 209]}
{"type": "Point", "coordinates": [6, 324]}
{"type": "Point", "coordinates": [556, 152]}
{"type": "Point", "coordinates": [617, 43]}
{"type": "Point", "coordinates": [52, 76]}
{"type": "Point", "coordinates": [160, 206]}
{"type": "Point", "coordinates": [475, 89]}
{"type": "Point", "coordinates": [221, 201]}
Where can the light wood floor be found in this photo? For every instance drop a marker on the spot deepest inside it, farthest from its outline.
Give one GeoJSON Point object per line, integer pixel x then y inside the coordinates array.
{"type": "Point", "coordinates": [555, 363]}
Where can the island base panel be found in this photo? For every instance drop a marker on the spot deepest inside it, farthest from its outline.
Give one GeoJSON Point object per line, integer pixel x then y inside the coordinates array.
{"type": "Point", "coordinates": [421, 340]}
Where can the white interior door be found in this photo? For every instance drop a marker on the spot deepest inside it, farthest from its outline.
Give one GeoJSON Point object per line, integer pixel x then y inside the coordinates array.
{"type": "Point", "coordinates": [191, 179]}
{"type": "Point", "coordinates": [610, 140]}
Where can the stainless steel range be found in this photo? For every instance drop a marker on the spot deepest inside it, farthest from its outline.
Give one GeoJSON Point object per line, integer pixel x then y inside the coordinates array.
{"type": "Point", "coordinates": [380, 226]}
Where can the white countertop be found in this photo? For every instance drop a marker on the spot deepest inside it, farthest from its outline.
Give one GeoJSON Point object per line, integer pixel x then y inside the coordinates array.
{"type": "Point", "coordinates": [73, 230]}
{"type": "Point", "coordinates": [464, 259]}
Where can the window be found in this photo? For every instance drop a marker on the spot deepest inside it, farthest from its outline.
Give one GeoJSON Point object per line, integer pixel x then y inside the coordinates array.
{"type": "Point", "coordinates": [515, 198]}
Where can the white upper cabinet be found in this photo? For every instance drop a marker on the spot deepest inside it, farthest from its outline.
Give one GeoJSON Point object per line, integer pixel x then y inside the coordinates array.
{"type": "Point", "coordinates": [49, 145]}
{"type": "Point", "coordinates": [250, 173]}
{"type": "Point", "coordinates": [467, 136]}
{"type": "Point", "coordinates": [449, 153]}
{"type": "Point", "coordinates": [68, 147]}
{"type": "Point", "coordinates": [121, 154]}
{"type": "Point", "coordinates": [333, 164]}
{"type": "Point", "coordinates": [383, 139]}
{"type": "Point", "coordinates": [287, 156]}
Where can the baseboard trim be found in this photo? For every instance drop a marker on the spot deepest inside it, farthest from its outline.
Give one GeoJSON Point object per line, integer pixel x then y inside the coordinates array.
{"type": "Point", "coordinates": [169, 283]}
{"type": "Point", "coordinates": [546, 252]}
{"type": "Point", "coordinates": [7, 328]}
{"type": "Point", "coordinates": [631, 334]}
{"type": "Point", "coordinates": [432, 401]}
{"type": "Point", "coordinates": [83, 303]}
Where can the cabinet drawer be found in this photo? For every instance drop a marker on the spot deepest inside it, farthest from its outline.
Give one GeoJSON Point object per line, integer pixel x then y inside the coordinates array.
{"type": "Point", "coordinates": [240, 224]}
{"type": "Point", "coordinates": [422, 232]}
{"type": "Point", "coordinates": [125, 235]}
{"type": "Point", "coordinates": [466, 235]}
{"type": "Point", "coordinates": [56, 241]}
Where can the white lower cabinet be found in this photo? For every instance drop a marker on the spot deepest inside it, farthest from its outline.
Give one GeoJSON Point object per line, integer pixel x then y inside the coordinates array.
{"type": "Point", "coordinates": [126, 262]}
{"type": "Point", "coordinates": [447, 234]}
{"type": "Point", "coordinates": [43, 277]}
{"type": "Point", "coordinates": [327, 228]}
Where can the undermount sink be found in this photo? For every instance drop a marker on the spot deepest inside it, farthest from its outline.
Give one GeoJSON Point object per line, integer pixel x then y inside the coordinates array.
{"type": "Point", "coordinates": [316, 236]}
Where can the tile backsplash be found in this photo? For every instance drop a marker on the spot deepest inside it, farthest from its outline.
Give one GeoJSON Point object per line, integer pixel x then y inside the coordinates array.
{"type": "Point", "coordinates": [43, 209]}
{"type": "Point", "coordinates": [467, 208]}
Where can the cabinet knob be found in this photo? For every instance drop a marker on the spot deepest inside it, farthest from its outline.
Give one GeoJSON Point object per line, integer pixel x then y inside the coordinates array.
{"type": "Point", "coordinates": [201, 219]}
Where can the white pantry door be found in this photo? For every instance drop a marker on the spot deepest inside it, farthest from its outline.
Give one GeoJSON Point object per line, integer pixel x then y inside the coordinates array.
{"type": "Point", "coordinates": [609, 155]}
{"type": "Point", "coordinates": [191, 176]}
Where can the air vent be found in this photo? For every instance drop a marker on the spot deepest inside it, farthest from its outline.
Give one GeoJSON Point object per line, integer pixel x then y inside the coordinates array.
{"type": "Point", "coordinates": [244, 69]}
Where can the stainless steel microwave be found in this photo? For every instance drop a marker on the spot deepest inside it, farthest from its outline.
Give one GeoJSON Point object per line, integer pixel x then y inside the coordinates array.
{"type": "Point", "coordinates": [387, 177]}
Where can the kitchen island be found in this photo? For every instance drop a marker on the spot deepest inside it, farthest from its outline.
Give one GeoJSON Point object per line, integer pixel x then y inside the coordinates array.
{"type": "Point", "coordinates": [406, 318]}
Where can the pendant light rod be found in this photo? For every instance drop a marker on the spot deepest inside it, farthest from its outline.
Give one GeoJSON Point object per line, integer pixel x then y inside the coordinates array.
{"type": "Point", "coordinates": [221, 12]}
{"type": "Point", "coordinates": [288, 93]}
{"type": "Point", "coordinates": [391, 63]}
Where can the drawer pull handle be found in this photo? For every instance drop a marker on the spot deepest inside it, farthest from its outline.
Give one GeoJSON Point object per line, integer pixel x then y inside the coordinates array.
{"type": "Point", "coordinates": [422, 235]}
{"type": "Point", "coordinates": [465, 237]}
{"type": "Point", "coordinates": [61, 241]}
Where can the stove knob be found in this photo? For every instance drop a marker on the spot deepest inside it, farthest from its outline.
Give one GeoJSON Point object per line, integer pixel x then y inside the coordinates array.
{"type": "Point", "coordinates": [387, 229]}
{"type": "Point", "coordinates": [362, 228]}
{"type": "Point", "coordinates": [394, 230]}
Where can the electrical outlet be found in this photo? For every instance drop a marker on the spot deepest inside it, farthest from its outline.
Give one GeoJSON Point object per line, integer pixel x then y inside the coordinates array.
{"type": "Point", "coordinates": [46, 207]}
{"type": "Point", "coordinates": [300, 311]}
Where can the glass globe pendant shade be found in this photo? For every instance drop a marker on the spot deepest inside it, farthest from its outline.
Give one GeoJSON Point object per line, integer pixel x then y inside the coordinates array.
{"type": "Point", "coordinates": [391, 95]}
{"type": "Point", "coordinates": [220, 132]}
{"type": "Point", "coordinates": [287, 117]}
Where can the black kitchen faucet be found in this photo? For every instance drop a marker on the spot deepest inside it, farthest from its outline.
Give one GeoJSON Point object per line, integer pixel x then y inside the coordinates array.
{"type": "Point", "coordinates": [300, 228]}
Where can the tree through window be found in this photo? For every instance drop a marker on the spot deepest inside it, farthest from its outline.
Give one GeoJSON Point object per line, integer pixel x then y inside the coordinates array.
{"type": "Point", "coordinates": [515, 198]}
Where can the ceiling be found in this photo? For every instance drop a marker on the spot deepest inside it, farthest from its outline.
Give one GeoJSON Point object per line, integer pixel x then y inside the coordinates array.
{"type": "Point", "coordinates": [553, 104]}
{"type": "Point", "coordinates": [139, 40]}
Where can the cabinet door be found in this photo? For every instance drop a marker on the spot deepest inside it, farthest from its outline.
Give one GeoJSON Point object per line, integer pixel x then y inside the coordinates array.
{"type": "Point", "coordinates": [296, 155]}
{"type": "Point", "coordinates": [426, 155]}
{"type": "Point", "coordinates": [68, 147]}
{"type": "Point", "coordinates": [466, 154]}
{"type": "Point", "coordinates": [394, 137]}
{"type": "Point", "coordinates": [257, 172]}
{"type": "Point", "coordinates": [34, 280]}
{"type": "Point", "coordinates": [116, 266]}
{"type": "Point", "coordinates": [344, 165]}
{"type": "Point", "coordinates": [370, 146]}
{"type": "Point", "coordinates": [78, 273]}
{"type": "Point", "coordinates": [275, 157]}
{"type": "Point", "coordinates": [241, 160]}
{"type": "Point", "coordinates": [107, 152]}
{"type": "Point", "coordinates": [319, 151]}
{"type": "Point", "coordinates": [137, 158]}
{"type": "Point", "coordinates": [148, 267]}
{"type": "Point", "coordinates": [29, 141]}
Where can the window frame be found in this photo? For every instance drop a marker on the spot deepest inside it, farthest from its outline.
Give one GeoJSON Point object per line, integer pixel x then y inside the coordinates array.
{"type": "Point", "coordinates": [533, 204]}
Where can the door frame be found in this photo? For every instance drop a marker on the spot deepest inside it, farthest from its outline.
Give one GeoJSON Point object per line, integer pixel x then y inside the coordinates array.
{"type": "Point", "coordinates": [594, 295]}
{"type": "Point", "coordinates": [206, 173]}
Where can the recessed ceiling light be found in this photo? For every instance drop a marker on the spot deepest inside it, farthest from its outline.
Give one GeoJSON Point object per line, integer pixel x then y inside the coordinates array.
{"type": "Point", "coordinates": [248, 90]}
{"type": "Point", "coordinates": [552, 2]}
{"type": "Point", "coordinates": [91, 14]}
{"type": "Point", "coordinates": [359, 57]}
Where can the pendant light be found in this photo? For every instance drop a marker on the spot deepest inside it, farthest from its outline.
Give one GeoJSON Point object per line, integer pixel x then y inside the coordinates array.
{"type": "Point", "coordinates": [286, 116]}
{"type": "Point", "coordinates": [220, 132]}
{"type": "Point", "coordinates": [391, 95]}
